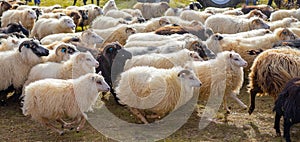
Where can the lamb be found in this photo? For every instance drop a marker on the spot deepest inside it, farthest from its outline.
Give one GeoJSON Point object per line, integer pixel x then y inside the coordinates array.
{"type": "Point", "coordinates": [225, 24]}
{"type": "Point", "coordinates": [44, 27]}
{"type": "Point", "coordinates": [280, 14]}
{"type": "Point", "coordinates": [120, 35]}
{"type": "Point", "coordinates": [4, 6]}
{"type": "Point", "coordinates": [152, 10]}
{"type": "Point", "coordinates": [191, 15]}
{"type": "Point", "coordinates": [226, 68]}
{"type": "Point", "coordinates": [287, 106]}
{"type": "Point", "coordinates": [55, 99]}
{"type": "Point", "coordinates": [270, 71]}
{"type": "Point", "coordinates": [27, 17]}
{"type": "Point", "coordinates": [109, 5]}
{"type": "Point", "coordinates": [104, 22]}
{"type": "Point", "coordinates": [62, 52]}
{"type": "Point", "coordinates": [78, 65]}
{"type": "Point", "coordinates": [16, 64]}
{"type": "Point", "coordinates": [164, 61]}
{"type": "Point", "coordinates": [284, 23]}
{"type": "Point", "coordinates": [163, 89]}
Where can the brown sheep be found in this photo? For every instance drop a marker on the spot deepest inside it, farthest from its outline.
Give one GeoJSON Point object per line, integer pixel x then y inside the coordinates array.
{"type": "Point", "coordinates": [265, 9]}
{"type": "Point", "coordinates": [271, 70]}
{"type": "Point", "coordinates": [119, 35]}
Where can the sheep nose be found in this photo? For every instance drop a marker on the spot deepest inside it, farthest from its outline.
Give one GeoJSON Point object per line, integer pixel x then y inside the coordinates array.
{"type": "Point", "coordinates": [246, 64]}
{"type": "Point", "coordinates": [97, 65]}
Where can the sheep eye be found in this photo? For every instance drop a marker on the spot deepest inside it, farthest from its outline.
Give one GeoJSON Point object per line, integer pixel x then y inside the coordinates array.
{"type": "Point", "coordinates": [99, 82]}
{"type": "Point", "coordinates": [88, 59]}
{"type": "Point", "coordinates": [236, 59]}
{"type": "Point", "coordinates": [191, 78]}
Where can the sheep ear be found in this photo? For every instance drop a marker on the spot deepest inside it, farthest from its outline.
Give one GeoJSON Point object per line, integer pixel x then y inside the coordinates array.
{"type": "Point", "coordinates": [230, 55]}
{"type": "Point", "coordinates": [182, 73]}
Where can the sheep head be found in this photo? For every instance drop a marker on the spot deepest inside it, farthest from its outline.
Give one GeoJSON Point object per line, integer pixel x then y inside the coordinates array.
{"type": "Point", "coordinates": [257, 23]}
{"type": "Point", "coordinates": [35, 48]}
{"type": "Point", "coordinates": [190, 78]}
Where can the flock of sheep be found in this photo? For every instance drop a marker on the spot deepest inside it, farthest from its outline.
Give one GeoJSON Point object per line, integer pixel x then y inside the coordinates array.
{"type": "Point", "coordinates": [151, 58]}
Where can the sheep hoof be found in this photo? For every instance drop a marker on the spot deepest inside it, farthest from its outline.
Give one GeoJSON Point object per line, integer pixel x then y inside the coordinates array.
{"type": "Point", "coordinates": [71, 128]}
{"type": "Point", "coordinates": [227, 112]}
{"type": "Point", "coordinates": [250, 110]}
{"type": "Point", "coordinates": [77, 131]}
{"type": "Point", "coordinates": [278, 134]}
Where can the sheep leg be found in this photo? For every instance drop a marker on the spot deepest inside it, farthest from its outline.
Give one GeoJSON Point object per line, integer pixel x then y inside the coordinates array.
{"type": "Point", "coordinates": [137, 113]}
{"type": "Point", "coordinates": [287, 125]}
{"type": "Point", "coordinates": [253, 93]}
{"type": "Point", "coordinates": [64, 124]}
{"type": "Point", "coordinates": [232, 95]}
{"type": "Point", "coordinates": [81, 124]}
{"type": "Point", "coordinates": [52, 127]}
{"type": "Point", "coordinates": [277, 123]}
{"type": "Point", "coordinates": [153, 116]}
{"type": "Point", "coordinates": [225, 104]}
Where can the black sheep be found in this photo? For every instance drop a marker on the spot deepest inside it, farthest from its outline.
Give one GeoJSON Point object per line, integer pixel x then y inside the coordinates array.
{"type": "Point", "coordinates": [14, 27]}
{"type": "Point", "coordinates": [288, 106]}
{"type": "Point", "coordinates": [111, 63]}
{"type": "Point", "coordinates": [84, 2]}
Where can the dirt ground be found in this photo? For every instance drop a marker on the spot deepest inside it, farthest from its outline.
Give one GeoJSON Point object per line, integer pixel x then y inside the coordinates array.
{"type": "Point", "coordinates": [240, 126]}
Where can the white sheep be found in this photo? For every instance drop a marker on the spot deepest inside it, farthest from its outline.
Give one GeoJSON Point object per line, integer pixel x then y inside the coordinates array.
{"type": "Point", "coordinates": [105, 33]}
{"type": "Point", "coordinates": [152, 10]}
{"type": "Point", "coordinates": [88, 38]}
{"type": "Point", "coordinates": [165, 61]}
{"type": "Point", "coordinates": [247, 34]}
{"type": "Point", "coordinates": [16, 64]}
{"type": "Point", "coordinates": [217, 10]}
{"type": "Point", "coordinates": [134, 13]}
{"type": "Point", "coordinates": [61, 52]}
{"type": "Point", "coordinates": [173, 11]}
{"type": "Point", "coordinates": [119, 14]}
{"type": "Point", "coordinates": [281, 13]}
{"type": "Point", "coordinates": [78, 65]}
{"type": "Point", "coordinates": [226, 24]}
{"type": "Point", "coordinates": [164, 90]}
{"type": "Point", "coordinates": [9, 44]}
{"type": "Point", "coordinates": [27, 17]}
{"type": "Point", "coordinates": [109, 5]}
{"type": "Point", "coordinates": [48, 9]}
{"type": "Point", "coordinates": [284, 23]}
{"type": "Point", "coordinates": [150, 36]}
{"type": "Point", "coordinates": [191, 15]}
{"type": "Point", "coordinates": [52, 15]}
{"type": "Point", "coordinates": [150, 25]}
{"type": "Point", "coordinates": [44, 27]}
{"type": "Point", "coordinates": [225, 70]}
{"type": "Point", "coordinates": [55, 99]}
{"type": "Point", "coordinates": [178, 21]}
{"type": "Point", "coordinates": [93, 12]}
{"type": "Point", "coordinates": [104, 22]}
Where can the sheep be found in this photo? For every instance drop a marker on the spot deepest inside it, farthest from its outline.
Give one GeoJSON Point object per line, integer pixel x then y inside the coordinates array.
{"type": "Point", "coordinates": [44, 27]}
{"type": "Point", "coordinates": [280, 14]}
{"type": "Point", "coordinates": [93, 12]}
{"type": "Point", "coordinates": [265, 9]}
{"type": "Point", "coordinates": [235, 12]}
{"type": "Point", "coordinates": [254, 13]}
{"type": "Point", "coordinates": [87, 38]}
{"type": "Point", "coordinates": [287, 106]}
{"type": "Point", "coordinates": [225, 24]}
{"type": "Point", "coordinates": [78, 65]}
{"type": "Point", "coordinates": [197, 29]}
{"type": "Point", "coordinates": [83, 12]}
{"type": "Point", "coordinates": [109, 5]}
{"type": "Point", "coordinates": [38, 11]}
{"type": "Point", "coordinates": [134, 13]}
{"type": "Point", "coordinates": [48, 9]}
{"type": "Point", "coordinates": [178, 21]}
{"type": "Point", "coordinates": [284, 23]}
{"type": "Point", "coordinates": [16, 64]}
{"type": "Point", "coordinates": [105, 33]}
{"type": "Point", "coordinates": [14, 27]}
{"type": "Point", "coordinates": [120, 35]}
{"type": "Point", "coordinates": [217, 10]}
{"type": "Point", "coordinates": [150, 36]}
{"type": "Point", "coordinates": [245, 45]}
{"type": "Point", "coordinates": [152, 10]}
{"type": "Point", "coordinates": [191, 15]}
{"type": "Point", "coordinates": [55, 99]}
{"type": "Point", "coordinates": [226, 69]}
{"type": "Point", "coordinates": [164, 61]}
{"type": "Point", "coordinates": [53, 15]}
{"type": "Point", "coordinates": [104, 22]}
{"type": "Point", "coordinates": [9, 44]}
{"type": "Point", "coordinates": [248, 34]}
{"type": "Point", "coordinates": [270, 71]}
{"type": "Point", "coordinates": [62, 52]}
{"type": "Point", "coordinates": [151, 25]}
{"type": "Point", "coordinates": [162, 87]}
{"type": "Point", "coordinates": [27, 17]}
{"type": "Point", "coordinates": [74, 14]}
{"type": "Point", "coordinates": [4, 6]}
{"type": "Point", "coordinates": [119, 14]}
{"type": "Point", "coordinates": [173, 11]}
